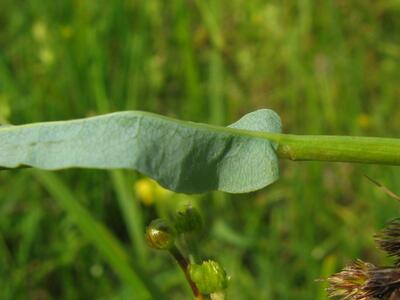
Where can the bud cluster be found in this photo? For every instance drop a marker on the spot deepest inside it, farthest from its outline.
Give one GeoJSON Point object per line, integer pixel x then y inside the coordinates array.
{"type": "Point", "coordinates": [208, 278]}
{"type": "Point", "coordinates": [160, 234]}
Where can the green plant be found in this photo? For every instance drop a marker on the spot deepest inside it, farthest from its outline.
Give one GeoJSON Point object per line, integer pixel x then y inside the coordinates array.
{"type": "Point", "coordinates": [182, 156]}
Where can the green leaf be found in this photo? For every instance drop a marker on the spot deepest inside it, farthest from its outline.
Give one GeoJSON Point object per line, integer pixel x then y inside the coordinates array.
{"type": "Point", "coordinates": [182, 156]}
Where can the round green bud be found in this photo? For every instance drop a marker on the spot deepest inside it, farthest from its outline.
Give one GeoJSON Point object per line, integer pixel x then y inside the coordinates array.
{"type": "Point", "coordinates": [159, 235]}
{"type": "Point", "coordinates": [188, 219]}
{"type": "Point", "coordinates": [209, 277]}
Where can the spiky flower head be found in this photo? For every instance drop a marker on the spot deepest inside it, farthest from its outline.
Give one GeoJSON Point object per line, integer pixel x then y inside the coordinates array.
{"type": "Point", "coordinates": [389, 240]}
{"type": "Point", "coordinates": [364, 281]}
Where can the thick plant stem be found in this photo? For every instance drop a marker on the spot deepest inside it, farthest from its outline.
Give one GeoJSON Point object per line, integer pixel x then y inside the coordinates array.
{"type": "Point", "coordinates": [369, 150]}
{"type": "Point", "coordinates": [354, 149]}
{"type": "Point", "coordinates": [184, 265]}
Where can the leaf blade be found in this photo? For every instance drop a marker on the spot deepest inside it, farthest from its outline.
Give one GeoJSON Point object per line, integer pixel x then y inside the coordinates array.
{"type": "Point", "coordinates": [182, 156]}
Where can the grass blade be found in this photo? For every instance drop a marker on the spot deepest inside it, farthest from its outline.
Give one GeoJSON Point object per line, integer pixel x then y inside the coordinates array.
{"type": "Point", "coordinates": [100, 237]}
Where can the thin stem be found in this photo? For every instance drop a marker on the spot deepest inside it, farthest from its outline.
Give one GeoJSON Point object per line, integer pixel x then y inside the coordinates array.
{"type": "Point", "coordinates": [184, 265]}
{"type": "Point", "coordinates": [384, 188]}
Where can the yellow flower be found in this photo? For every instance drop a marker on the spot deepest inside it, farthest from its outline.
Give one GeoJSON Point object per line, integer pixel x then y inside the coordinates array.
{"type": "Point", "coordinates": [148, 191]}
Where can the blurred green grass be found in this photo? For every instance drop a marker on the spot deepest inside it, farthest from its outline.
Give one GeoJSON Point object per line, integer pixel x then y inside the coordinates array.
{"type": "Point", "coordinates": [326, 67]}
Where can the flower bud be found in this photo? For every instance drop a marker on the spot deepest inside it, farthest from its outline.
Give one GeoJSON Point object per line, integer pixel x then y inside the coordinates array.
{"type": "Point", "coordinates": [188, 219]}
{"type": "Point", "coordinates": [209, 277]}
{"type": "Point", "coordinates": [159, 235]}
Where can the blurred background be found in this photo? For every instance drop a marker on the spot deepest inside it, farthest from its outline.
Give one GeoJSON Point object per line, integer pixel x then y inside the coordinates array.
{"type": "Point", "coordinates": [326, 67]}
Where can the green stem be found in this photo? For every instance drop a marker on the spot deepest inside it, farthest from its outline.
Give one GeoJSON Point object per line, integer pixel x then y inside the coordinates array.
{"type": "Point", "coordinates": [184, 265]}
{"type": "Point", "coordinates": [355, 149]}
{"type": "Point", "coordinates": [369, 150]}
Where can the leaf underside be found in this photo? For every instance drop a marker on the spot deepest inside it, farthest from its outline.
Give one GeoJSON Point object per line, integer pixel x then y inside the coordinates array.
{"type": "Point", "coordinates": [182, 156]}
